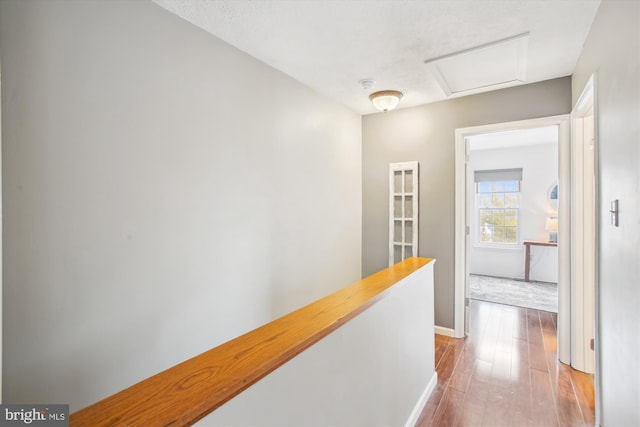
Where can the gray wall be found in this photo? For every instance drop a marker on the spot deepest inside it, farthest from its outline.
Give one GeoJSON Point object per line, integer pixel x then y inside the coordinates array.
{"type": "Point", "coordinates": [426, 134]}
{"type": "Point", "coordinates": [612, 51]}
{"type": "Point", "coordinates": [163, 192]}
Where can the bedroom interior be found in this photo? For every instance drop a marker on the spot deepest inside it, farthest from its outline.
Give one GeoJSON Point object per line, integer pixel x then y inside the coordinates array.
{"type": "Point", "coordinates": [503, 267]}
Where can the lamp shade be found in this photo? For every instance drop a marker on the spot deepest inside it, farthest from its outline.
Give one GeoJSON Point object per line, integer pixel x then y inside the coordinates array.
{"type": "Point", "coordinates": [551, 224]}
{"type": "Point", "coordinates": [386, 100]}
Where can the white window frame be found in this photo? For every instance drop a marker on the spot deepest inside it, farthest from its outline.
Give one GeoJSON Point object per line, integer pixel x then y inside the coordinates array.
{"type": "Point", "coordinates": [517, 176]}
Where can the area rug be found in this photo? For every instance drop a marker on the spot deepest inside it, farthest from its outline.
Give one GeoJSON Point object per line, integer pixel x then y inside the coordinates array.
{"type": "Point", "coordinates": [536, 295]}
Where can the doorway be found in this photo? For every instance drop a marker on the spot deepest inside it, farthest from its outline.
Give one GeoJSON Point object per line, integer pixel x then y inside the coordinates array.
{"type": "Point", "coordinates": [576, 299]}
{"type": "Point", "coordinates": [512, 204]}
{"type": "Point", "coordinates": [462, 229]}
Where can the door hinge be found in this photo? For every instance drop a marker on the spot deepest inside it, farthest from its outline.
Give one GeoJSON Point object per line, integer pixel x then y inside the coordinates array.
{"type": "Point", "coordinates": [467, 230]}
{"type": "Point", "coordinates": [592, 344]}
{"type": "Point", "coordinates": [466, 302]}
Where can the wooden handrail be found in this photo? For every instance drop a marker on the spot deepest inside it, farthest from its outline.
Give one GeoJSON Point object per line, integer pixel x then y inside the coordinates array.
{"type": "Point", "coordinates": [187, 392]}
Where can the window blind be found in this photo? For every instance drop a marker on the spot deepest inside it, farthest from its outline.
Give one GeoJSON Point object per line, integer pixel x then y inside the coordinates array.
{"type": "Point", "coordinates": [498, 175]}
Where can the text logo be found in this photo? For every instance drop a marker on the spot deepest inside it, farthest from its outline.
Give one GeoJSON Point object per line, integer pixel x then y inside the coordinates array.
{"type": "Point", "coordinates": [34, 415]}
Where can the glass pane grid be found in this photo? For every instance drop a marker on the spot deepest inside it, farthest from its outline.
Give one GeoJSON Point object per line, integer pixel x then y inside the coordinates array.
{"type": "Point", "coordinates": [498, 204]}
{"type": "Point", "coordinates": [408, 232]}
{"type": "Point", "coordinates": [403, 228]}
{"type": "Point", "coordinates": [498, 187]}
{"type": "Point", "coordinates": [397, 206]}
{"type": "Point", "coordinates": [397, 182]}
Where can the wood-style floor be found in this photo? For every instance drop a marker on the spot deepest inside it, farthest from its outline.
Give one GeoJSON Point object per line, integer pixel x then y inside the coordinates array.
{"type": "Point", "coordinates": [506, 373]}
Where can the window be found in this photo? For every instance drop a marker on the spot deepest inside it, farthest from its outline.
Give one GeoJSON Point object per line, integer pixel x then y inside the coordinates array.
{"type": "Point", "coordinates": [498, 202]}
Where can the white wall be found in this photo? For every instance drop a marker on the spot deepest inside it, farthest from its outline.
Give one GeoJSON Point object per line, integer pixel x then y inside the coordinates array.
{"type": "Point", "coordinates": [163, 192]}
{"type": "Point", "coordinates": [612, 51]}
{"type": "Point", "coordinates": [372, 371]}
{"type": "Point", "coordinates": [539, 165]}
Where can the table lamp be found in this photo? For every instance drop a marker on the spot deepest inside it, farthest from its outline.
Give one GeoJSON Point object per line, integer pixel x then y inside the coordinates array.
{"type": "Point", "coordinates": [551, 226]}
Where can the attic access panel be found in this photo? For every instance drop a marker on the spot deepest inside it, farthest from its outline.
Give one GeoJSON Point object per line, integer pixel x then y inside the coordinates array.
{"type": "Point", "coordinates": [494, 64]}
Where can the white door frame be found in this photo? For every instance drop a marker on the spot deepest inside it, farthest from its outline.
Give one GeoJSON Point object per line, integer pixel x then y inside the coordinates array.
{"type": "Point", "coordinates": [461, 221]}
{"type": "Point", "coordinates": [584, 198]}
{"type": "Point", "coordinates": [1, 248]}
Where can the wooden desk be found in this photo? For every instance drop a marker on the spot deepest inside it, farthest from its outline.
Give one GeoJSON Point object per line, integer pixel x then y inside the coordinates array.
{"type": "Point", "coordinates": [527, 254]}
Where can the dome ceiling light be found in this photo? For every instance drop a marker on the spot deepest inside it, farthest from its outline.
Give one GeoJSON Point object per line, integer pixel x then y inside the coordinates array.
{"type": "Point", "coordinates": [386, 100]}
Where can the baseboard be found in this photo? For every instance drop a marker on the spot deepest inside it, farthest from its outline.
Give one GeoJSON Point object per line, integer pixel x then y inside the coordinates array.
{"type": "Point", "coordinates": [447, 332]}
{"type": "Point", "coordinates": [417, 409]}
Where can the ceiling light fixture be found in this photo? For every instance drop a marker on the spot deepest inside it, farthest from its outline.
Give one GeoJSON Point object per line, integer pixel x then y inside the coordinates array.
{"type": "Point", "coordinates": [385, 100]}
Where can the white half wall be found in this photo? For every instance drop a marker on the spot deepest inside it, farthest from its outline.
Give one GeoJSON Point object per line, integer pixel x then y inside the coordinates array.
{"type": "Point", "coordinates": [539, 165]}
{"type": "Point", "coordinates": [163, 193]}
{"type": "Point", "coordinates": [376, 370]}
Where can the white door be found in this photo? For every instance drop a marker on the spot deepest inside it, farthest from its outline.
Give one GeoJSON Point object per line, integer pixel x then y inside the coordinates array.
{"type": "Point", "coordinates": [469, 183]}
{"type": "Point", "coordinates": [583, 231]}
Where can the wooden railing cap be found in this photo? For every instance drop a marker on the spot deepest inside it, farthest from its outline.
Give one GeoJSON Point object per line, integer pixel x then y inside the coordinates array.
{"type": "Point", "coordinates": [187, 392]}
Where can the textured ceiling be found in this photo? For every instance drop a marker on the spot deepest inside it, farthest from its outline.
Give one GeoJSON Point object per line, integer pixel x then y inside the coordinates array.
{"type": "Point", "coordinates": [330, 45]}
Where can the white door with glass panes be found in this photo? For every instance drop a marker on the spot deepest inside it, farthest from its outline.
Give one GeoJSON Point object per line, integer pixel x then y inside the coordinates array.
{"type": "Point", "coordinates": [403, 211]}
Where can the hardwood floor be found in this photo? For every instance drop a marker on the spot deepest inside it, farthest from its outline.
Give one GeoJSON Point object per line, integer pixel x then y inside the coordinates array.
{"type": "Point", "coordinates": [506, 373]}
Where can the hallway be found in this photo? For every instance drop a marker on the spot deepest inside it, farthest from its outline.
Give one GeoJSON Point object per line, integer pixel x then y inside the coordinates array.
{"type": "Point", "coordinates": [506, 373]}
